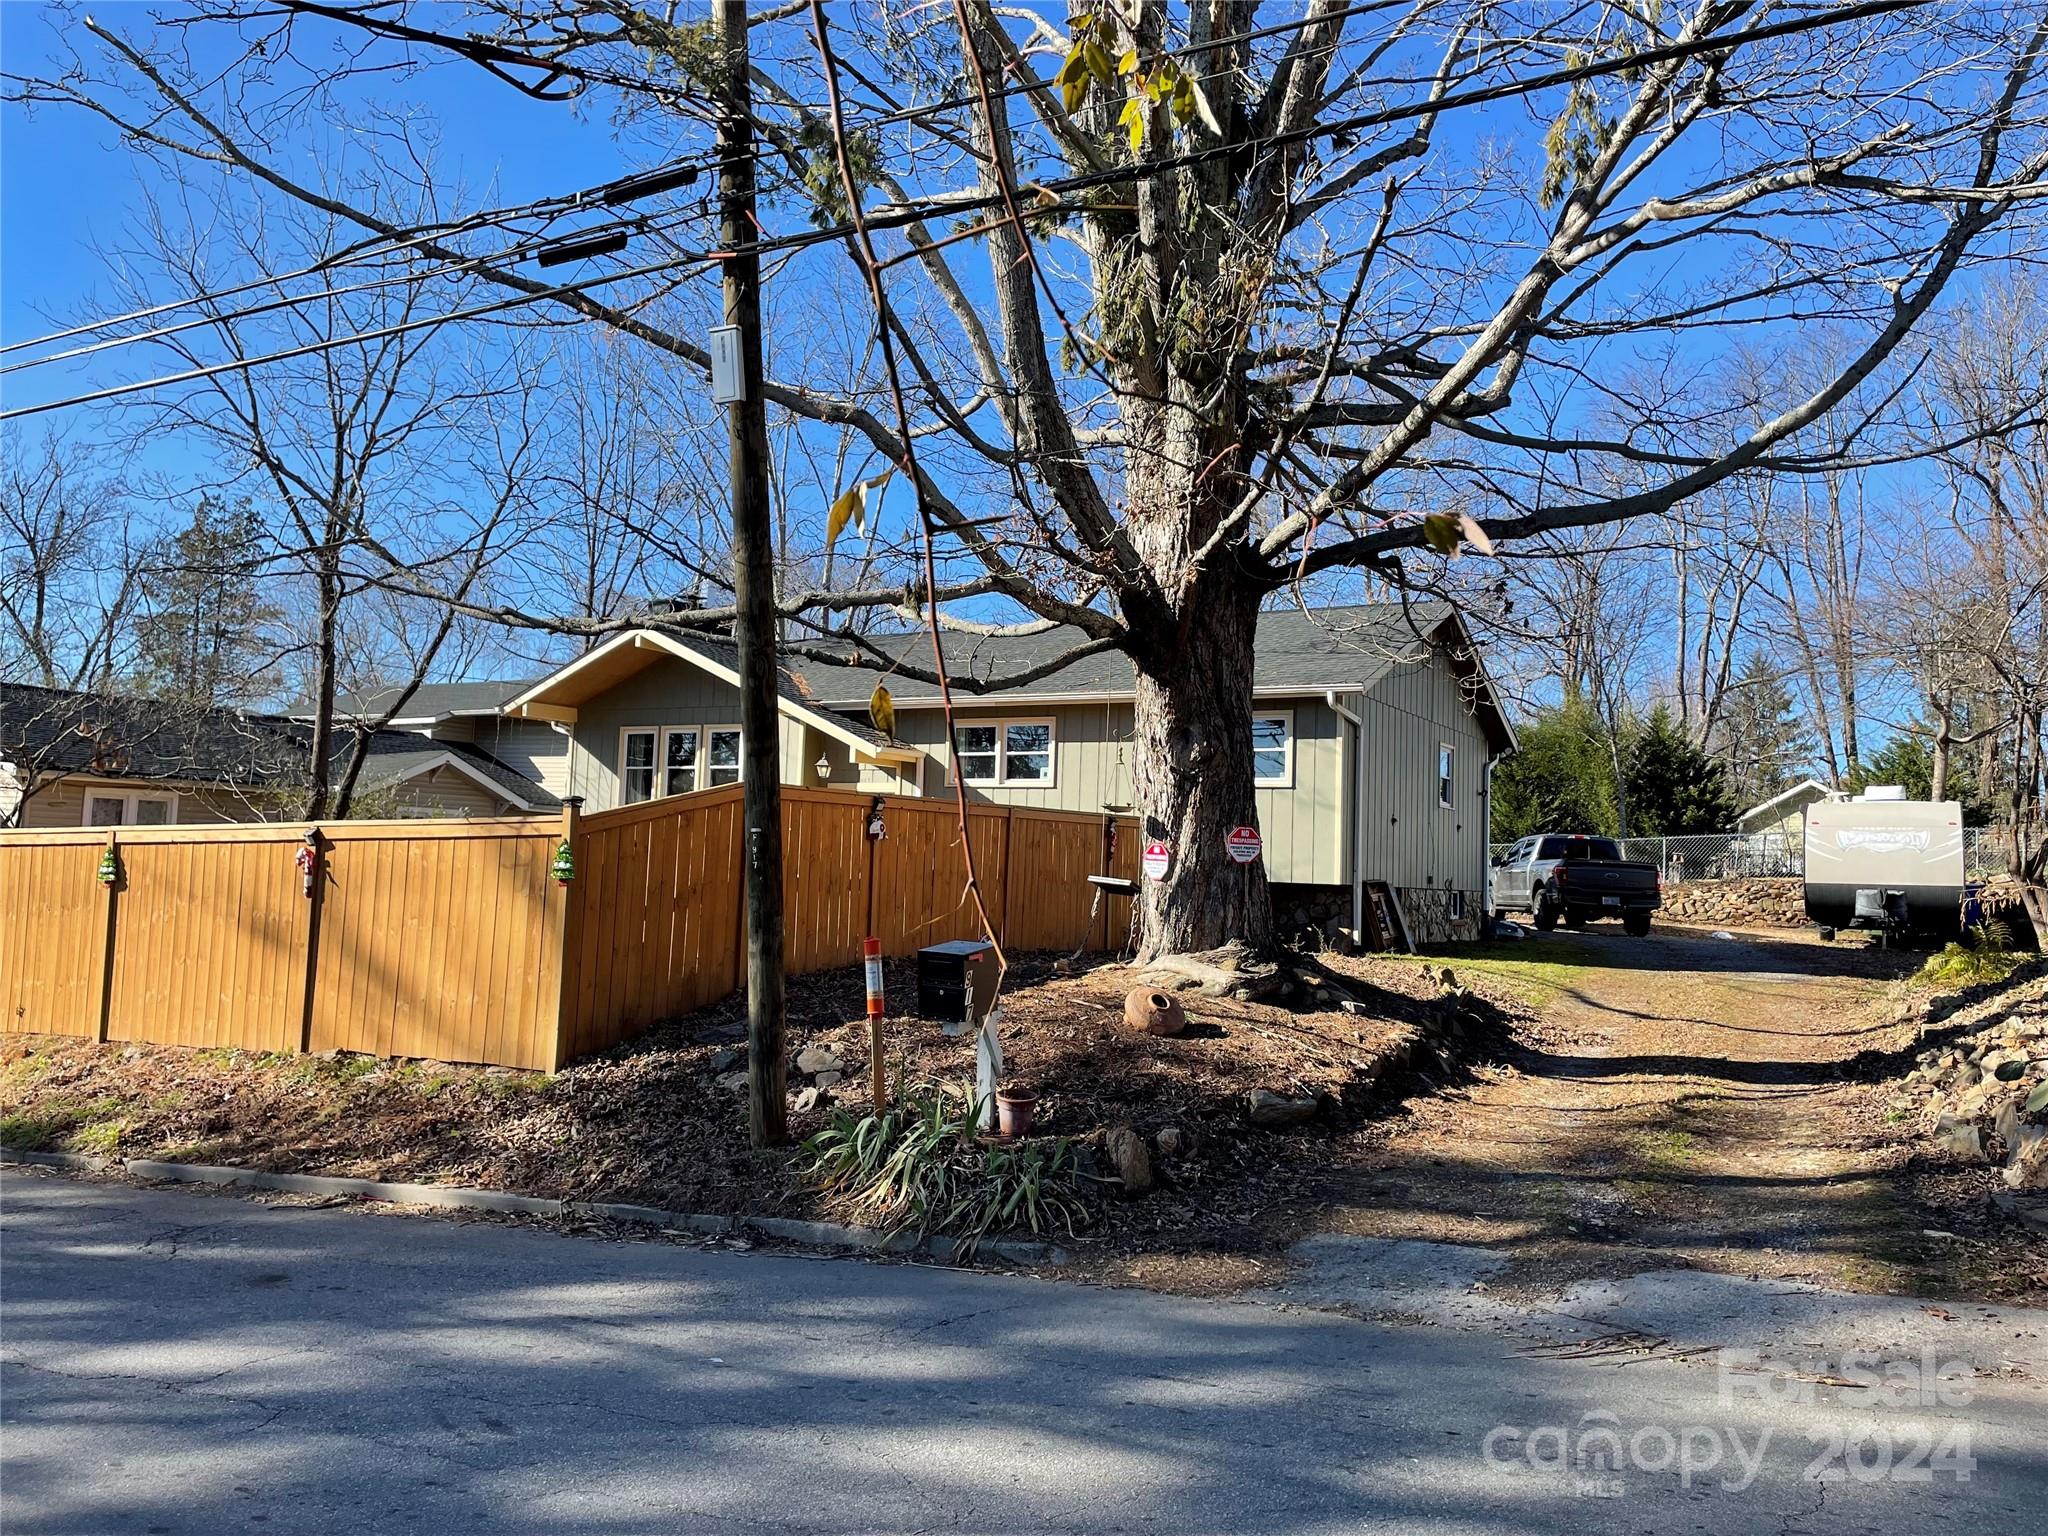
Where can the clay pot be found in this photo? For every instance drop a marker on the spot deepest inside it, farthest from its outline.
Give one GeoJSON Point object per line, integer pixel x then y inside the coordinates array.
{"type": "Point", "coordinates": [1016, 1108]}
{"type": "Point", "coordinates": [1152, 1012]}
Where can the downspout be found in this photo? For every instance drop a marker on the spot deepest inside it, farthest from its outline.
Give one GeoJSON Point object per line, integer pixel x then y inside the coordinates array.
{"type": "Point", "coordinates": [1357, 799]}
{"type": "Point", "coordinates": [568, 734]}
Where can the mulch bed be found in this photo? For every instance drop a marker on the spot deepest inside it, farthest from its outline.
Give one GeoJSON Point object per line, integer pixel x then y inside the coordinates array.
{"type": "Point", "coordinates": [662, 1119]}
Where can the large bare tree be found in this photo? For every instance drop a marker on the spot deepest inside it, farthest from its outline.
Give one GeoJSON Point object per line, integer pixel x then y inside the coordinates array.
{"type": "Point", "coordinates": [1175, 306]}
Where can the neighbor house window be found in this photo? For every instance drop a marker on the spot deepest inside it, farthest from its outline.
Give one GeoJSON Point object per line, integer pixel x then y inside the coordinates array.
{"type": "Point", "coordinates": [723, 755]}
{"type": "Point", "coordinates": [1005, 752]}
{"type": "Point", "coordinates": [1446, 761]}
{"type": "Point", "coordinates": [636, 764]}
{"type": "Point", "coordinates": [1273, 750]}
{"type": "Point", "coordinates": [679, 760]}
{"type": "Point", "coordinates": [117, 808]}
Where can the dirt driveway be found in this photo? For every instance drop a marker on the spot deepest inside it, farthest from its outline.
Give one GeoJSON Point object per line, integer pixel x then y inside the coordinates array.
{"type": "Point", "coordinates": [1685, 1101]}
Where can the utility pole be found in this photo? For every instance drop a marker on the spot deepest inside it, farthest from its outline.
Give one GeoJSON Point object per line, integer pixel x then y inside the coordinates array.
{"type": "Point", "coordinates": [754, 589]}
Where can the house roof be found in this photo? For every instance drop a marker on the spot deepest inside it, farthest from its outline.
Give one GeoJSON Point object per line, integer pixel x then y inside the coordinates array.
{"type": "Point", "coordinates": [558, 695]}
{"type": "Point", "coordinates": [61, 731]}
{"type": "Point", "coordinates": [1806, 791]}
{"type": "Point", "coordinates": [430, 702]}
{"type": "Point", "coordinates": [1344, 648]}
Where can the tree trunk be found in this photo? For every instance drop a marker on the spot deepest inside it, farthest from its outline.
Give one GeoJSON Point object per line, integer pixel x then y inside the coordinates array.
{"type": "Point", "coordinates": [1191, 755]}
{"type": "Point", "coordinates": [318, 769]}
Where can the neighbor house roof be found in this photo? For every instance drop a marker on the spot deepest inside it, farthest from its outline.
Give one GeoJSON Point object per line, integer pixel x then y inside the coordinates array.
{"type": "Point", "coordinates": [118, 736]}
{"type": "Point", "coordinates": [430, 703]}
{"type": "Point", "coordinates": [1805, 792]}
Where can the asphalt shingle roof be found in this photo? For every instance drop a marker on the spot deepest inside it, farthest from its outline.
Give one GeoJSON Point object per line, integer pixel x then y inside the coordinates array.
{"type": "Point", "coordinates": [1347, 648]}
{"type": "Point", "coordinates": [432, 701]}
{"type": "Point", "coordinates": [55, 730]}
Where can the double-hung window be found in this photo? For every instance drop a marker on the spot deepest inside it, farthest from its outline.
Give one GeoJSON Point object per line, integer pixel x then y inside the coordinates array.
{"type": "Point", "coordinates": [1273, 749]}
{"type": "Point", "coordinates": [636, 763]}
{"type": "Point", "coordinates": [1012, 752]}
{"type": "Point", "coordinates": [679, 759]}
{"type": "Point", "coordinates": [722, 756]}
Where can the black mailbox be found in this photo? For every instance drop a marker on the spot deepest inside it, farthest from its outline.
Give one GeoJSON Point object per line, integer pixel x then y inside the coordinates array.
{"type": "Point", "coordinates": [956, 981]}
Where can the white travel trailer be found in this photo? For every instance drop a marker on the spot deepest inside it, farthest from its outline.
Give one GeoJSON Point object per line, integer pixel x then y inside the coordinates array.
{"type": "Point", "coordinates": [1883, 861]}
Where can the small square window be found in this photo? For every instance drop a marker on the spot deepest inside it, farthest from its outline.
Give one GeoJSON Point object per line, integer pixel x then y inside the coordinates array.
{"type": "Point", "coordinates": [1027, 754]}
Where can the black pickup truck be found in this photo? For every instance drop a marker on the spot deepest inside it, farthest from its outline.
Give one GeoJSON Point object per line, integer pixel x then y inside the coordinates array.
{"type": "Point", "coordinates": [1578, 879]}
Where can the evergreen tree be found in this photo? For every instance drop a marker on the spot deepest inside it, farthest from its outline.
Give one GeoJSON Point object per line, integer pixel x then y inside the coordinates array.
{"type": "Point", "coordinates": [1674, 788]}
{"type": "Point", "coordinates": [206, 637]}
{"type": "Point", "coordinates": [1907, 760]}
{"type": "Point", "coordinates": [1761, 738]}
{"type": "Point", "coordinates": [1561, 779]}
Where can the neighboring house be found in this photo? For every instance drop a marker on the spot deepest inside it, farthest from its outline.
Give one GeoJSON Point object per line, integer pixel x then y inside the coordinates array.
{"type": "Point", "coordinates": [1374, 731]}
{"type": "Point", "coordinates": [70, 759]}
{"type": "Point", "coordinates": [1784, 814]}
{"type": "Point", "coordinates": [470, 713]}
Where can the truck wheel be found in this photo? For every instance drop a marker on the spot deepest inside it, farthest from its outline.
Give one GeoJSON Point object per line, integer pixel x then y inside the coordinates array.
{"type": "Point", "coordinates": [1636, 925]}
{"type": "Point", "coordinates": [1546, 913]}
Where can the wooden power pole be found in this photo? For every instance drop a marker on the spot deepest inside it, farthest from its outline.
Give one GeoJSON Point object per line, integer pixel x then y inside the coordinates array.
{"type": "Point", "coordinates": [754, 589]}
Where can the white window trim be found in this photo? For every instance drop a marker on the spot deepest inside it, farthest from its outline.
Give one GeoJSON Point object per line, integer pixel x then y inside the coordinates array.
{"type": "Point", "coordinates": [619, 763]}
{"type": "Point", "coordinates": [1286, 779]}
{"type": "Point", "coordinates": [661, 789]}
{"type": "Point", "coordinates": [704, 747]}
{"type": "Point", "coordinates": [1446, 783]}
{"type": "Point", "coordinates": [1002, 780]}
{"type": "Point", "coordinates": [129, 799]}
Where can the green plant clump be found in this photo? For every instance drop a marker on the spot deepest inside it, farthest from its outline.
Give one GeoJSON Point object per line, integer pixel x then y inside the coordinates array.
{"type": "Point", "coordinates": [1983, 955]}
{"type": "Point", "coordinates": [923, 1167]}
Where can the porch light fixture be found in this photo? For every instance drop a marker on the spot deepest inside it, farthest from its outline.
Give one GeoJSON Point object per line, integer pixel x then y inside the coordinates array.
{"type": "Point", "coordinates": [824, 767]}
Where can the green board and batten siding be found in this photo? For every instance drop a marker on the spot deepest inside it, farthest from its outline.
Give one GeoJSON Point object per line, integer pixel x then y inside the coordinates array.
{"type": "Point", "coordinates": [1406, 837]}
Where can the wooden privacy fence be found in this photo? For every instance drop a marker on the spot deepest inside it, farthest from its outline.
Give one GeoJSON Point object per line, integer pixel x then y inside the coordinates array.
{"type": "Point", "coordinates": [451, 939]}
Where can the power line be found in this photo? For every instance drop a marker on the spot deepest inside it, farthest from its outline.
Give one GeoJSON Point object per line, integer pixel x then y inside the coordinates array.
{"type": "Point", "coordinates": [1084, 181]}
{"type": "Point", "coordinates": [620, 188]}
{"type": "Point", "coordinates": [356, 338]}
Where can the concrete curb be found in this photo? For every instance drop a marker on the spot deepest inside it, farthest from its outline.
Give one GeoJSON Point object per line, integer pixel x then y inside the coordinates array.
{"type": "Point", "coordinates": [816, 1234]}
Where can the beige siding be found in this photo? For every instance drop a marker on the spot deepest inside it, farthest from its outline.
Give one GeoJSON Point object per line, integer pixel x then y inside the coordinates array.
{"type": "Point", "coordinates": [62, 804]}
{"type": "Point", "coordinates": [446, 791]}
{"type": "Point", "coordinates": [1303, 825]}
{"type": "Point", "coordinates": [1405, 837]}
{"type": "Point", "coordinates": [529, 747]}
{"type": "Point", "coordinates": [673, 692]}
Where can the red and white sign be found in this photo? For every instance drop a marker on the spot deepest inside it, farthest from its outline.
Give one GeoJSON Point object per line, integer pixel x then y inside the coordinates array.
{"type": "Point", "coordinates": [1158, 858]}
{"type": "Point", "coordinates": [1243, 843]}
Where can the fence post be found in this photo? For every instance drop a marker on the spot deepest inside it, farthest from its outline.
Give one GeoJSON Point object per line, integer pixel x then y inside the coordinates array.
{"type": "Point", "coordinates": [105, 1000]}
{"type": "Point", "coordinates": [1009, 863]}
{"type": "Point", "coordinates": [316, 898]}
{"type": "Point", "coordinates": [568, 929]}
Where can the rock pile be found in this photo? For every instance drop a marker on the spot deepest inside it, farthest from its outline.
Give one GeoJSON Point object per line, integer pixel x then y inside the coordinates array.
{"type": "Point", "coordinates": [1757, 903]}
{"type": "Point", "coordinates": [1985, 1096]}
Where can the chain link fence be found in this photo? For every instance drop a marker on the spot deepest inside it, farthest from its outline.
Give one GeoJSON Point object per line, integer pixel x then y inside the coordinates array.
{"type": "Point", "coordinates": [1765, 855]}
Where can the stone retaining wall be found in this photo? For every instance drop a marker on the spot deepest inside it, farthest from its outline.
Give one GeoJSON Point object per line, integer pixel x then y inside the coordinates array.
{"type": "Point", "coordinates": [1757, 903]}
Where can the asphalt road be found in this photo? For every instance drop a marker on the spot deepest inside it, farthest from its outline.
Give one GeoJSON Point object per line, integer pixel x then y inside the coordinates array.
{"type": "Point", "coordinates": [178, 1362]}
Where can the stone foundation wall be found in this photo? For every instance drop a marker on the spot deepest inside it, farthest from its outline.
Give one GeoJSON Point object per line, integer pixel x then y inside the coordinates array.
{"type": "Point", "coordinates": [1428, 910]}
{"type": "Point", "coordinates": [1312, 915]}
{"type": "Point", "coordinates": [1321, 914]}
{"type": "Point", "coordinates": [1759, 903]}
